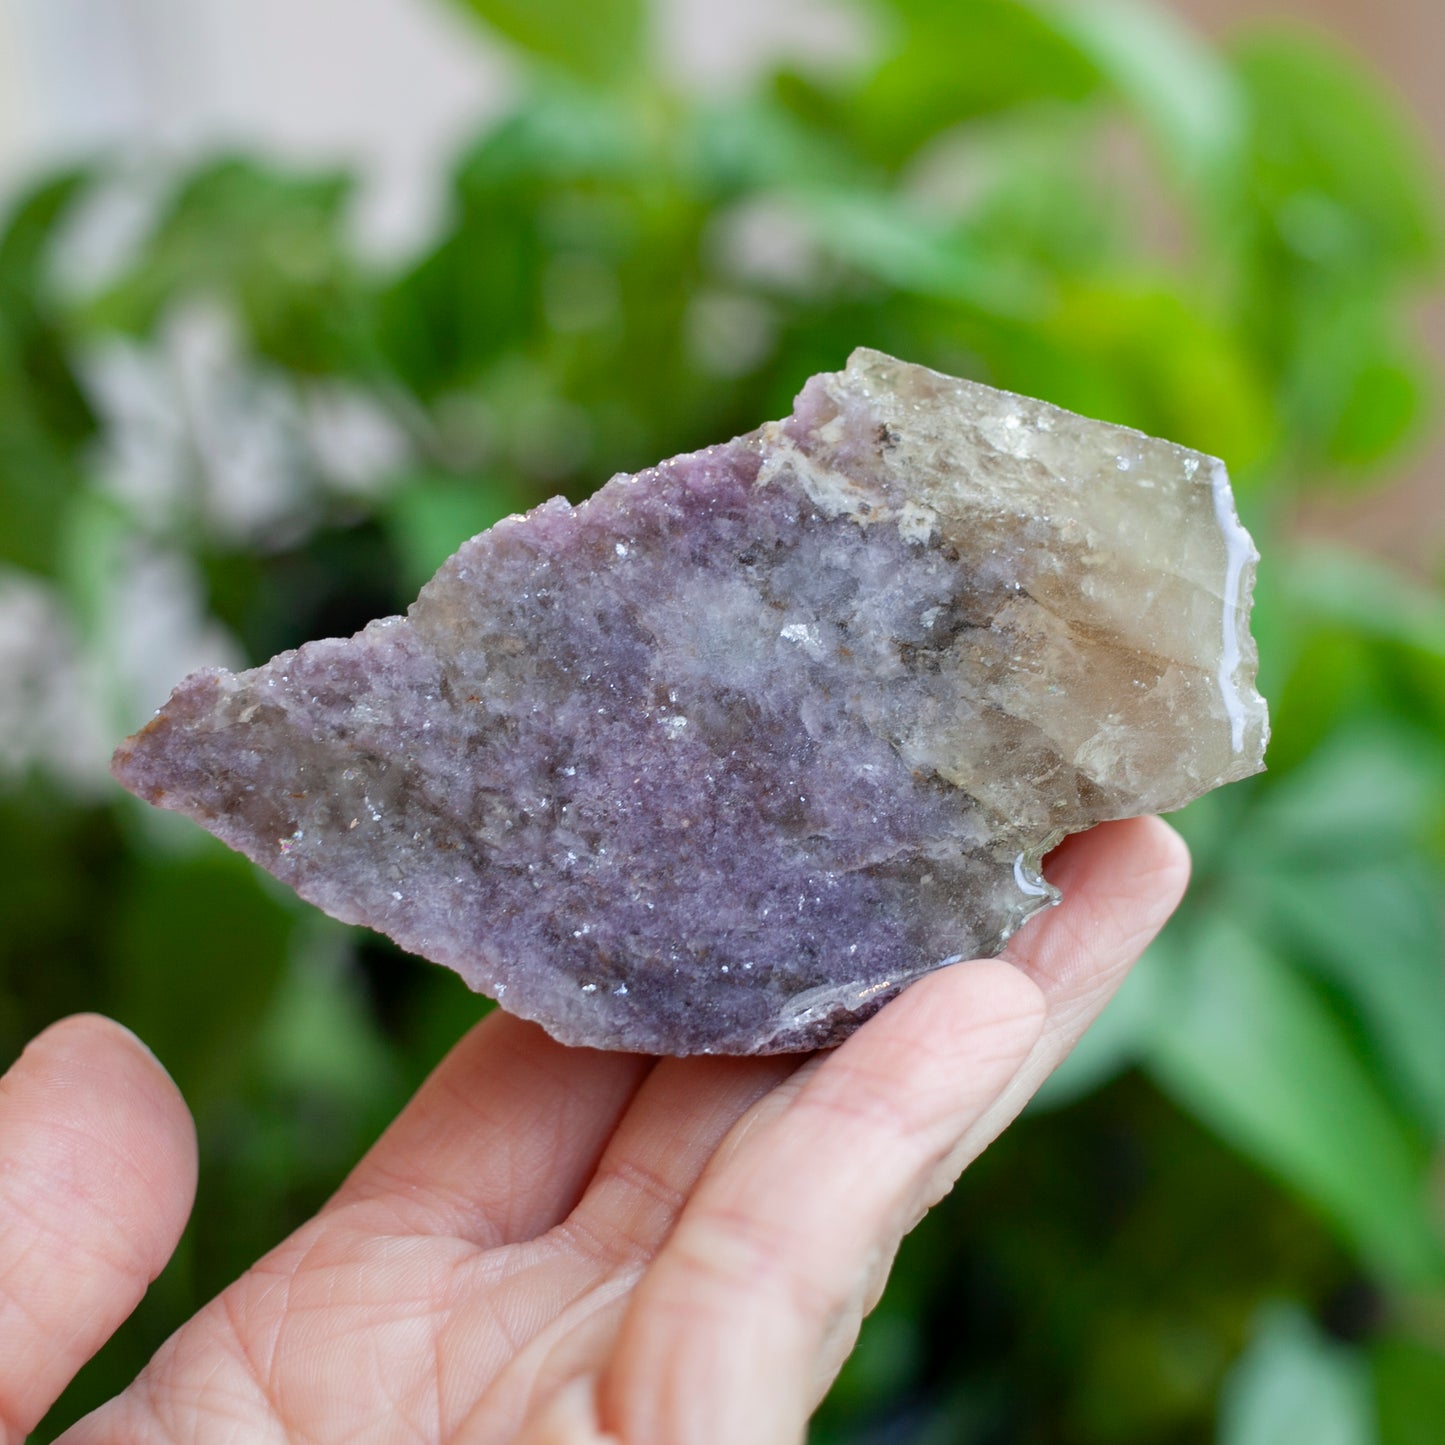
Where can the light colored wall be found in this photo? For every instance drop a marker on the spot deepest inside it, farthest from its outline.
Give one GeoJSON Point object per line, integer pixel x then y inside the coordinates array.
{"type": "Point", "coordinates": [387, 85]}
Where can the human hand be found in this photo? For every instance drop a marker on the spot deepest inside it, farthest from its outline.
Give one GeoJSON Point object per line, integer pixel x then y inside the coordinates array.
{"type": "Point", "coordinates": [550, 1246]}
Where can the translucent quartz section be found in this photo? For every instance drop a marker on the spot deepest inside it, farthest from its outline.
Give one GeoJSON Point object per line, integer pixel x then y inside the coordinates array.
{"type": "Point", "coordinates": [723, 758]}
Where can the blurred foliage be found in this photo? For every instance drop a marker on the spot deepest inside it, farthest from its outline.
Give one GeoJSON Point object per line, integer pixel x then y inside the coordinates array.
{"type": "Point", "coordinates": [1224, 1218]}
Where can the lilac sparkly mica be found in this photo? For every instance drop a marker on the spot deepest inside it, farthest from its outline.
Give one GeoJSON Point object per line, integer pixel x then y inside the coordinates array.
{"type": "Point", "coordinates": [723, 758]}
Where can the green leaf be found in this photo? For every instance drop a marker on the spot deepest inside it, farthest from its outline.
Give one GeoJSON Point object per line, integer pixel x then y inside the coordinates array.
{"type": "Point", "coordinates": [1352, 638]}
{"type": "Point", "coordinates": [1331, 869]}
{"type": "Point", "coordinates": [952, 62]}
{"type": "Point", "coordinates": [1251, 1050]}
{"type": "Point", "coordinates": [1338, 168]}
{"type": "Point", "coordinates": [320, 1038]}
{"type": "Point", "coordinates": [45, 421]}
{"type": "Point", "coordinates": [566, 170]}
{"type": "Point", "coordinates": [430, 516]}
{"type": "Point", "coordinates": [1293, 1386]}
{"type": "Point", "coordinates": [1335, 585]}
{"type": "Point", "coordinates": [97, 532]}
{"type": "Point", "coordinates": [1344, 211]}
{"type": "Point", "coordinates": [1354, 384]}
{"type": "Point", "coordinates": [1410, 1391]}
{"type": "Point", "coordinates": [200, 945]}
{"type": "Point", "coordinates": [1185, 96]}
{"type": "Point", "coordinates": [1188, 376]}
{"type": "Point", "coordinates": [30, 228]}
{"type": "Point", "coordinates": [890, 243]}
{"type": "Point", "coordinates": [268, 245]}
{"type": "Point", "coordinates": [752, 143]}
{"type": "Point", "coordinates": [39, 472]}
{"type": "Point", "coordinates": [1367, 794]}
{"type": "Point", "coordinates": [558, 132]}
{"type": "Point", "coordinates": [63, 867]}
{"type": "Point", "coordinates": [1118, 1038]}
{"type": "Point", "coordinates": [1375, 933]}
{"type": "Point", "coordinates": [593, 39]}
{"type": "Point", "coordinates": [1385, 403]}
{"type": "Point", "coordinates": [1316, 683]}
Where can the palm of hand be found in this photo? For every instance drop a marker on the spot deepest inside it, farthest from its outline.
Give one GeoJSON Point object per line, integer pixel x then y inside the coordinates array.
{"type": "Point", "coordinates": [551, 1245]}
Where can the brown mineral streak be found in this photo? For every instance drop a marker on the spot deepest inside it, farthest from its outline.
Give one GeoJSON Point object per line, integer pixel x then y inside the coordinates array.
{"type": "Point", "coordinates": [723, 758]}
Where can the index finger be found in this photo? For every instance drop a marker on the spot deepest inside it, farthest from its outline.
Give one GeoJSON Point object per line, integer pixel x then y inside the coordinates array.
{"type": "Point", "coordinates": [778, 1256]}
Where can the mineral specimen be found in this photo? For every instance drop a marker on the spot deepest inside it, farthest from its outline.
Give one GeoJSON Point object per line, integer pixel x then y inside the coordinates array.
{"type": "Point", "coordinates": [721, 759]}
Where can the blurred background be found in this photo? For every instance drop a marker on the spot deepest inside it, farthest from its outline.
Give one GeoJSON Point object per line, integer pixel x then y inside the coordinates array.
{"type": "Point", "coordinates": [297, 294]}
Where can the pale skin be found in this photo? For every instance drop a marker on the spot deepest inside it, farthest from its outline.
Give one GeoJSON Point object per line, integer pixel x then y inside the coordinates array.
{"type": "Point", "coordinates": [549, 1246]}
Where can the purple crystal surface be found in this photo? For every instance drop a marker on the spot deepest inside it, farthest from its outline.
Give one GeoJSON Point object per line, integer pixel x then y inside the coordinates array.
{"type": "Point", "coordinates": [723, 758]}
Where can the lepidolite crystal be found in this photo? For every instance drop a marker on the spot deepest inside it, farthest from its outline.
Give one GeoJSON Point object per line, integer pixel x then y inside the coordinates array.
{"type": "Point", "coordinates": [723, 758]}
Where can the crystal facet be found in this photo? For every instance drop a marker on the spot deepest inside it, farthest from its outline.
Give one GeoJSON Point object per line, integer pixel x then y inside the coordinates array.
{"type": "Point", "coordinates": [721, 759]}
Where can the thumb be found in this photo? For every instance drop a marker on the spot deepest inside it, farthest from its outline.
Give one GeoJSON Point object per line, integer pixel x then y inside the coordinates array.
{"type": "Point", "coordinates": [97, 1175]}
